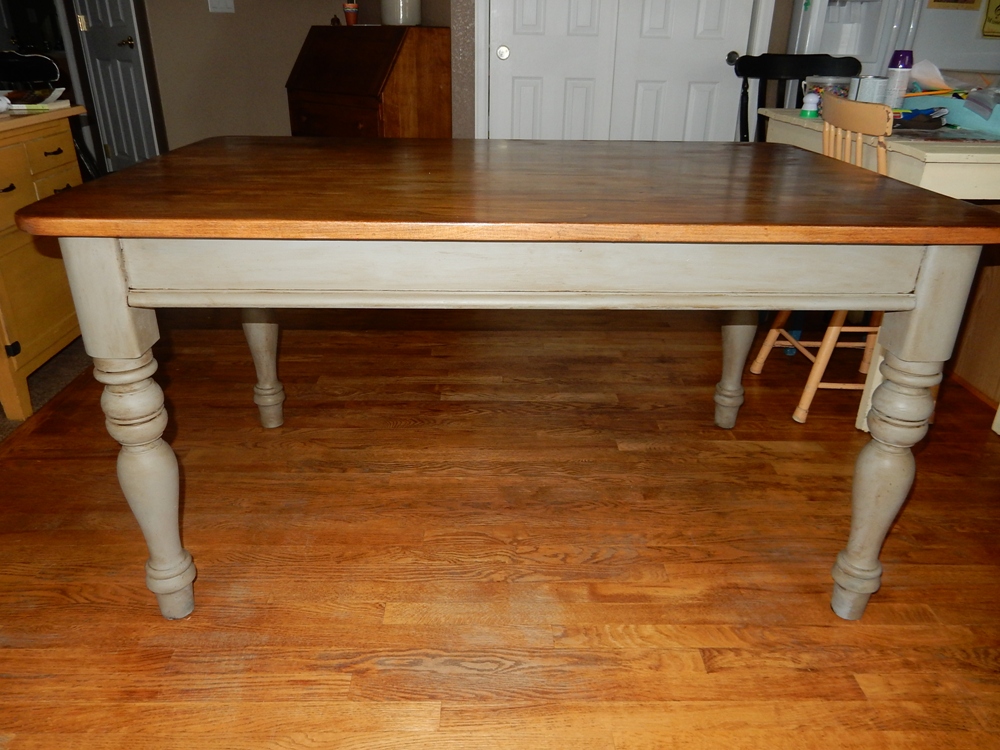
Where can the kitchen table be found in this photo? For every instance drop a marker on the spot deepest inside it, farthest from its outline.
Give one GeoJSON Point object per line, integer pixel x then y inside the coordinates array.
{"type": "Point", "coordinates": [263, 223]}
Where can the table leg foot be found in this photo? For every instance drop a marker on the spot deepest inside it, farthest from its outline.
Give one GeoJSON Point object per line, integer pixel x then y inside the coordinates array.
{"type": "Point", "coordinates": [848, 605]}
{"type": "Point", "coordinates": [727, 407]}
{"type": "Point", "coordinates": [883, 475]}
{"type": "Point", "coordinates": [260, 326]}
{"type": "Point", "coordinates": [148, 474]}
{"type": "Point", "coordinates": [178, 605]}
{"type": "Point", "coordinates": [738, 331]}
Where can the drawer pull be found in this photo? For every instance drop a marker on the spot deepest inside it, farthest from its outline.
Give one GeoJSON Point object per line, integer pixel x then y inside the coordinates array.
{"type": "Point", "coordinates": [53, 153]}
{"type": "Point", "coordinates": [62, 189]}
{"type": "Point", "coordinates": [9, 189]}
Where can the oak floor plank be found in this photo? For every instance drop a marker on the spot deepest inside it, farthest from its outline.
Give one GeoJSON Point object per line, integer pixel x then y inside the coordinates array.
{"type": "Point", "coordinates": [680, 716]}
{"type": "Point", "coordinates": [805, 740]}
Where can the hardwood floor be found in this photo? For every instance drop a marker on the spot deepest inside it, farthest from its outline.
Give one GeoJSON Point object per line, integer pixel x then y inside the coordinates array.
{"type": "Point", "coordinates": [494, 530]}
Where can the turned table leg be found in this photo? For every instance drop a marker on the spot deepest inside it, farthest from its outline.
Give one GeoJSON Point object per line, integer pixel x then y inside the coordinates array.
{"type": "Point", "coordinates": [738, 331]}
{"type": "Point", "coordinates": [916, 345]}
{"type": "Point", "coordinates": [147, 471]}
{"type": "Point", "coordinates": [261, 329]}
{"type": "Point", "coordinates": [883, 475]}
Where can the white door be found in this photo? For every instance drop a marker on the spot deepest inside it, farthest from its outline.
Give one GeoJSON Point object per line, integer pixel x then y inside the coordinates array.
{"type": "Point", "coordinates": [111, 48]}
{"type": "Point", "coordinates": [671, 79]}
{"type": "Point", "coordinates": [619, 69]}
{"type": "Point", "coordinates": [552, 67]}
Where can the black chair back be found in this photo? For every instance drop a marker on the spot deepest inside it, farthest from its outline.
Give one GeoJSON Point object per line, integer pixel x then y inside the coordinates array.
{"type": "Point", "coordinates": [19, 71]}
{"type": "Point", "coordinates": [784, 68]}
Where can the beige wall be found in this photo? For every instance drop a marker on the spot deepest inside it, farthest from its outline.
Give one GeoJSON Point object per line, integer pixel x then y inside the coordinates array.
{"type": "Point", "coordinates": [225, 73]}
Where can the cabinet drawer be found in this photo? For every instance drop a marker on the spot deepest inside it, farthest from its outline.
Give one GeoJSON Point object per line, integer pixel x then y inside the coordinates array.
{"type": "Point", "coordinates": [15, 184]}
{"type": "Point", "coordinates": [58, 181]}
{"type": "Point", "coordinates": [52, 151]}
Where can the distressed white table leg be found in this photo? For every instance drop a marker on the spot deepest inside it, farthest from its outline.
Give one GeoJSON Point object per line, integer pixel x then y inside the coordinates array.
{"type": "Point", "coordinates": [916, 343]}
{"type": "Point", "coordinates": [119, 338]}
{"type": "Point", "coordinates": [147, 471]}
{"type": "Point", "coordinates": [883, 475]}
{"type": "Point", "coordinates": [261, 329]}
{"type": "Point", "coordinates": [872, 381]}
{"type": "Point", "coordinates": [738, 331]}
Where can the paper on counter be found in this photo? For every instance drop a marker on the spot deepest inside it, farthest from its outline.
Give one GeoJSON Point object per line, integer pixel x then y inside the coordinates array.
{"type": "Point", "coordinates": [930, 78]}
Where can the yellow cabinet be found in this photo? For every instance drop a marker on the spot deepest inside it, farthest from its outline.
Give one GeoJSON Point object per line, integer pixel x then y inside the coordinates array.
{"type": "Point", "coordinates": [37, 319]}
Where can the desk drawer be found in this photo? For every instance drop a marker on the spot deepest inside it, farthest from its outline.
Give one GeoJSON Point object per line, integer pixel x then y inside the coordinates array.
{"type": "Point", "coordinates": [50, 152]}
{"type": "Point", "coordinates": [311, 118]}
{"type": "Point", "coordinates": [57, 182]}
{"type": "Point", "coordinates": [15, 184]}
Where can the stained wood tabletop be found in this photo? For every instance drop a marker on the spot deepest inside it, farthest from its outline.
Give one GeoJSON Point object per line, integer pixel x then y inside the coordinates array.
{"type": "Point", "coordinates": [488, 190]}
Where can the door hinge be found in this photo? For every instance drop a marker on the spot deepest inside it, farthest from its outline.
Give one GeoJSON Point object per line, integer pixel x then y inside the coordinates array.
{"type": "Point", "coordinates": [13, 349]}
{"type": "Point", "coordinates": [107, 150]}
{"type": "Point", "coordinates": [81, 21]}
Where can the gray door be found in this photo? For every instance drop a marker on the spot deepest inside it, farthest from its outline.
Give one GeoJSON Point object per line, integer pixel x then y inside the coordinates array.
{"type": "Point", "coordinates": [111, 48]}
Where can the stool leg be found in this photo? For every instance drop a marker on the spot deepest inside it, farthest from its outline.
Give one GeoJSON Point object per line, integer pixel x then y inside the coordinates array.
{"type": "Point", "coordinates": [819, 366]}
{"type": "Point", "coordinates": [866, 359]}
{"type": "Point", "coordinates": [772, 335]}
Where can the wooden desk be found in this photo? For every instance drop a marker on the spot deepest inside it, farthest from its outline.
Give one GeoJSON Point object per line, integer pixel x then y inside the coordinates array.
{"type": "Point", "coordinates": [262, 223]}
{"type": "Point", "coordinates": [969, 170]}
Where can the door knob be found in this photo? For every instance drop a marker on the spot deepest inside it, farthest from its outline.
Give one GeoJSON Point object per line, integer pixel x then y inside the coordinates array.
{"type": "Point", "coordinates": [732, 57]}
{"type": "Point", "coordinates": [127, 42]}
{"type": "Point", "coordinates": [503, 51]}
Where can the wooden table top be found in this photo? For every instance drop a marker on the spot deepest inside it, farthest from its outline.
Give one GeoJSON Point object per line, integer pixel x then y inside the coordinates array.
{"type": "Point", "coordinates": [483, 190]}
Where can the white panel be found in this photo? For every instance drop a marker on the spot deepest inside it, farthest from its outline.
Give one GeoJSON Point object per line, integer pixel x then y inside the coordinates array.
{"type": "Point", "coordinates": [649, 100]}
{"type": "Point", "coordinates": [529, 17]}
{"type": "Point", "coordinates": [711, 19]}
{"type": "Point", "coordinates": [526, 108]}
{"type": "Point", "coordinates": [657, 18]}
{"type": "Point", "coordinates": [700, 108]}
{"type": "Point", "coordinates": [583, 18]}
{"type": "Point", "coordinates": [578, 116]}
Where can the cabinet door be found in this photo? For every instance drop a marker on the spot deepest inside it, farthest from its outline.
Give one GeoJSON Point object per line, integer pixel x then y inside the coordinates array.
{"type": "Point", "coordinates": [35, 299]}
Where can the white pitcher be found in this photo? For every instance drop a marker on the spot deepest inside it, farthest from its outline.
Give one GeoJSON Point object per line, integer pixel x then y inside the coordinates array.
{"type": "Point", "coordinates": [401, 12]}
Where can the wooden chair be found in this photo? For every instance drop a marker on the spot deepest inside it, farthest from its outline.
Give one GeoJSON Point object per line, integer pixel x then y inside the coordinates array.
{"type": "Point", "coordinates": [782, 69]}
{"type": "Point", "coordinates": [845, 123]}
